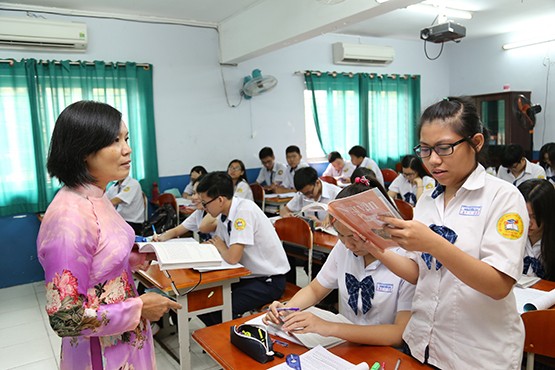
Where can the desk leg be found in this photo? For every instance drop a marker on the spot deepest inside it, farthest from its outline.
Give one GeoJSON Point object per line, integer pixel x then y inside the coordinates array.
{"type": "Point", "coordinates": [227, 311]}
{"type": "Point", "coordinates": [183, 332]}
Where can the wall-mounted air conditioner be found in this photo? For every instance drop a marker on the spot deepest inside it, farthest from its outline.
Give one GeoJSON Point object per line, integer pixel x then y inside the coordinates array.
{"type": "Point", "coordinates": [362, 54]}
{"type": "Point", "coordinates": [29, 33]}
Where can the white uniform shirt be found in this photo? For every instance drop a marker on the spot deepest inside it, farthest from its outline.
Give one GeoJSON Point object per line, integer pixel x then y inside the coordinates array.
{"type": "Point", "coordinates": [132, 207]}
{"type": "Point", "coordinates": [532, 171]}
{"type": "Point", "coordinates": [193, 221]}
{"type": "Point", "coordinates": [466, 329]}
{"type": "Point", "coordinates": [189, 188]}
{"type": "Point", "coordinates": [391, 293]}
{"type": "Point", "coordinates": [288, 178]}
{"type": "Point", "coordinates": [371, 165]}
{"type": "Point", "coordinates": [243, 190]}
{"type": "Point", "coordinates": [329, 192]}
{"type": "Point", "coordinates": [549, 174]}
{"type": "Point", "coordinates": [273, 176]}
{"type": "Point", "coordinates": [345, 172]}
{"type": "Point", "coordinates": [533, 251]}
{"type": "Point", "coordinates": [263, 254]}
{"type": "Point", "coordinates": [406, 190]}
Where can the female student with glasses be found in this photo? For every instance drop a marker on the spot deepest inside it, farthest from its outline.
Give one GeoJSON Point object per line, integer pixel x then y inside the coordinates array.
{"type": "Point", "coordinates": [414, 180]}
{"type": "Point", "coordinates": [465, 244]}
{"type": "Point", "coordinates": [236, 170]}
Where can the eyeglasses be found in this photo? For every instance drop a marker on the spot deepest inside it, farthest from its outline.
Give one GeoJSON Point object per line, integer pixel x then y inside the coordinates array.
{"type": "Point", "coordinates": [309, 193]}
{"type": "Point", "coordinates": [443, 150]}
{"type": "Point", "coordinates": [204, 204]}
{"type": "Point", "coordinates": [230, 168]}
{"type": "Point", "coordinates": [409, 174]}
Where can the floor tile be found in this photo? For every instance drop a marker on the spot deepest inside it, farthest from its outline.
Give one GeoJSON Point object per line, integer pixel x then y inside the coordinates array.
{"type": "Point", "coordinates": [22, 333]}
{"type": "Point", "coordinates": [18, 303]}
{"type": "Point", "coordinates": [16, 291]}
{"type": "Point", "coordinates": [49, 364]}
{"type": "Point", "coordinates": [15, 318]}
{"type": "Point", "coordinates": [25, 353]}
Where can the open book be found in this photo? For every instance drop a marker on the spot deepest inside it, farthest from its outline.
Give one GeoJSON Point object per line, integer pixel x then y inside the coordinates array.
{"type": "Point", "coordinates": [360, 213]}
{"type": "Point", "coordinates": [309, 340]}
{"type": "Point", "coordinates": [322, 359]}
{"type": "Point", "coordinates": [182, 254]}
{"type": "Point", "coordinates": [529, 299]}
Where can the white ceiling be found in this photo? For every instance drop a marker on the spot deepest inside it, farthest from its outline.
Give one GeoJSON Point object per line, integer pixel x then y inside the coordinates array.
{"type": "Point", "coordinates": [361, 17]}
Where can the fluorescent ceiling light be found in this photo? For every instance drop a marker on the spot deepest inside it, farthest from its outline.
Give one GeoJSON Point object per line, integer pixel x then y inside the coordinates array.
{"type": "Point", "coordinates": [439, 10]}
{"type": "Point", "coordinates": [519, 44]}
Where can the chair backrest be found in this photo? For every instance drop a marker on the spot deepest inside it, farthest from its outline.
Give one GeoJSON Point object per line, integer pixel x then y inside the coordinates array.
{"type": "Point", "coordinates": [296, 231]}
{"type": "Point", "coordinates": [168, 198]}
{"type": "Point", "coordinates": [329, 179]}
{"type": "Point", "coordinates": [389, 175]}
{"type": "Point", "coordinates": [258, 195]}
{"type": "Point", "coordinates": [539, 327]}
{"type": "Point", "coordinates": [405, 209]}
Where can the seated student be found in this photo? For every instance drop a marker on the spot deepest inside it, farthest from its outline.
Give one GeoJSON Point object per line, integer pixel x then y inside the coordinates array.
{"type": "Point", "coordinates": [372, 297]}
{"type": "Point", "coordinates": [236, 170]}
{"type": "Point", "coordinates": [310, 189]}
{"type": "Point", "coordinates": [338, 168]}
{"type": "Point", "coordinates": [194, 175]}
{"type": "Point", "coordinates": [547, 161]}
{"type": "Point", "coordinates": [362, 172]}
{"type": "Point", "coordinates": [539, 255]}
{"type": "Point", "coordinates": [515, 168]}
{"type": "Point", "coordinates": [244, 235]}
{"type": "Point", "coordinates": [272, 172]}
{"type": "Point", "coordinates": [127, 196]}
{"type": "Point", "coordinates": [359, 158]}
{"type": "Point", "coordinates": [294, 163]}
{"type": "Point", "coordinates": [410, 186]}
{"type": "Point", "coordinates": [199, 221]}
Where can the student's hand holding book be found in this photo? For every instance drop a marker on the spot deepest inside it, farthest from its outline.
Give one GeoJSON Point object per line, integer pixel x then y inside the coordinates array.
{"type": "Point", "coordinates": [411, 235]}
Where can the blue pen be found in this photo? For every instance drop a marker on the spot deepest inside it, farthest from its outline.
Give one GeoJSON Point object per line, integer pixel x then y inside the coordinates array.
{"type": "Point", "coordinates": [140, 239]}
{"type": "Point", "coordinates": [293, 361]}
{"type": "Point", "coordinates": [154, 231]}
{"type": "Point", "coordinates": [288, 309]}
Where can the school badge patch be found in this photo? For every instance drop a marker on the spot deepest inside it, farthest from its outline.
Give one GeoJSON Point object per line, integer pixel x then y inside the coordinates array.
{"type": "Point", "coordinates": [280, 172]}
{"type": "Point", "coordinates": [239, 224]}
{"type": "Point", "coordinates": [126, 189]}
{"type": "Point", "coordinates": [510, 226]}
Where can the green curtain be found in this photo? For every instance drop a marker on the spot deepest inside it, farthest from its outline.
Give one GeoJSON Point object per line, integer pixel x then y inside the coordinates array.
{"type": "Point", "coordinates": [379, 112]}
{"type": "Point", "coordinates": [40, 91]}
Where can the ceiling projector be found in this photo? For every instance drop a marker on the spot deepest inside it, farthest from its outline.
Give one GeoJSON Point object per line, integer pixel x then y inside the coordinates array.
{"type": "Point", "coordinates": [449, 31]}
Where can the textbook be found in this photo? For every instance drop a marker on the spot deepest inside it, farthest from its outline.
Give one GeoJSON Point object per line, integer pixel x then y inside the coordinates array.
{"type": "Point", "coordinates": [360, 213]}
{"type": "Point", "coordinates": [529, 299]}
{"type": "Point", "coordinates": [309, 340]}
{"type": "Point", "coordinates": [182, 254]}
{"type": "Point", "coordinates": [322, 359]}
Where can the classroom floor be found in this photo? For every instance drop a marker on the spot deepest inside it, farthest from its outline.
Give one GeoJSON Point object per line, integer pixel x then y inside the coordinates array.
{"type": "Point", "coordinates": [28, 343]}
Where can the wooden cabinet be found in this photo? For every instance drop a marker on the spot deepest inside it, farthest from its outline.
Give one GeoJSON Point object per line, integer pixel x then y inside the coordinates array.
{"type": "Point", "coordinates": [498, 115]}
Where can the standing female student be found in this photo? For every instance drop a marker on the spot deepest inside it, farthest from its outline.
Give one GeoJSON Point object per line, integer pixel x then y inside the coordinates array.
{"type": "Point", "coordinates": [236, 170]}
{"type": "Point", "coordinates": [539, 256]}
{"type": "Point", "coordinates": [375, 300]}
{"type": "Point", "coordinates": [467, 242]}
{"type": "Point", "coordinates": [85, 248]}
{"type": "Point", "coordinates": [414, 180]}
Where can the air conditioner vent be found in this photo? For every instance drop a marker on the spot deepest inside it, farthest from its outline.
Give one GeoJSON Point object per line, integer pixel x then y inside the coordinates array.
{"type": "Point", "coordinates": [362, 54]}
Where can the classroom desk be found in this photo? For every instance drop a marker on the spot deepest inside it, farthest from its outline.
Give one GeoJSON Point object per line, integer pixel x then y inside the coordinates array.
{"type": "Point", "coordinates": [273, 204]}
{"type": "Point", "coordinates": [323, 241]}
{"type": "Point", "coordinates": [544, 285]}
{"type": "Point", "coordinates": [212, 294]}
{"type": "Point", "coordinates": [215, 341]}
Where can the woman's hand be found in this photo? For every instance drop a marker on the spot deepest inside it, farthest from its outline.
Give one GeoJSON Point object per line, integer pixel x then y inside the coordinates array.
{"type": "Point", "coordinates": [305, 322]}
{"type": "Point", "coordinates": [156, 305]}
{"type": "Point", "coordinates": [411, 235]}
{"type": "Point", "coordinates": [273, 315]}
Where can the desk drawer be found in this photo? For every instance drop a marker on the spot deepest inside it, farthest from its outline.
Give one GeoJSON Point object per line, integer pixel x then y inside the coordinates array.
{"type": "Point", "coordinates": [205, 298]}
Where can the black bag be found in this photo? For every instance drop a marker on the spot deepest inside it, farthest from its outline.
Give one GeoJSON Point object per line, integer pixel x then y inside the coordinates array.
{"type": "Point", "coordinates": [253, 340]}
{"type": "Point", "coordinates": [163, 219]}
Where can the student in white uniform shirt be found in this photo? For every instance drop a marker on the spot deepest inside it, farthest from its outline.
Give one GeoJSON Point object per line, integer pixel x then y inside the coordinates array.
{"type": "Point", "coordinates": [547, 161]}
{"type": "Point", "coordinates": [539, 256]}
{"type": "Point", "coordinates": [412, 182]}
{"type": "Point", "coordinates": [310, 189]}
{"type": "Point", "coordinates": [338, 168]}
{"type": "Point", "coordinates": [272, 173]}
{"type": "Point", "coordinates": [244, 235]}
{"type": "Point", "coordinates": [199, 222]}
{"type": "Point", "coordinates": [466, 245]}
{"type": "Point", "coordinates": [236, 170]}
{"type": "Point", "coordinates": [359, 158]}
{"type": "Point", "coordinates": [127, 196]}
{"type": "Point", "coordinates": [516, 169]}
{"type": "Point", "coordinates": [375, 300]}
{"type": "Point", "coordinates": [193, 175]}
{"type": "Point", "coordinates": [294, 163]}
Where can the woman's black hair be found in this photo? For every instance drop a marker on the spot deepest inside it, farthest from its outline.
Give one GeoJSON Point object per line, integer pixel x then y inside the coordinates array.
{"type": "Point", "coordinates": [83, 128]}
{"type": "Point", "coordinates": [200, 170]}
{"type": "Point", "coordinates": [415, 164]}
{"type": "Point", "coordinates": [362, 171]}
{"type": "Point", "coordinates": [540, 194]}
{"type": "Point", "coordinates": [244, 175]}
{"type": "Point", "coordinates": [364, 184]}
{"type": "Point", "coordinates": [548, 149]}
{"type": "Point", "coordinates": [461, 115]}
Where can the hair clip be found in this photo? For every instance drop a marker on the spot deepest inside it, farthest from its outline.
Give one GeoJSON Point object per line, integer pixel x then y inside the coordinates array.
{"type": "Point", "coordinates": [362, 180]}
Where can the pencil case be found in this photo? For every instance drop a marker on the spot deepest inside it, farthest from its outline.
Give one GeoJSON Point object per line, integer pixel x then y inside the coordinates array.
{"type": "Point", "coordinates": [253, 340]}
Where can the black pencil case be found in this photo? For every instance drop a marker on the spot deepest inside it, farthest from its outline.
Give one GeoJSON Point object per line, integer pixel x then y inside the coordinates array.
{"type": "Point", "coordinates": [253, 340]}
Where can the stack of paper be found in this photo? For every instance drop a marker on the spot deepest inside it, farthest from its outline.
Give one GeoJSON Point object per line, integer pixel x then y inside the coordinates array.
{"type": "Point", "coordinates": [322, 359]}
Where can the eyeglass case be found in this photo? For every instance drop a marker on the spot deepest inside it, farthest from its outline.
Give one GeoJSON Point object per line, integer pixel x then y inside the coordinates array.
{"type": "Point", "coordinates": [253, 340]}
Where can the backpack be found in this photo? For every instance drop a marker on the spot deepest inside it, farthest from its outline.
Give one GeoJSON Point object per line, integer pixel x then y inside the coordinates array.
{"type": "Point", "coordinates": [163, 219]}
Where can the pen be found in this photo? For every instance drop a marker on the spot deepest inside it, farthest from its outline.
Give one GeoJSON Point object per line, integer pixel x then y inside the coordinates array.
{"type": "Point", "coordinates": [288, 309]}
{"type": "Point", "coordinates": [398, 364]}
{"type": "Point", "coordinates": [154, 232]}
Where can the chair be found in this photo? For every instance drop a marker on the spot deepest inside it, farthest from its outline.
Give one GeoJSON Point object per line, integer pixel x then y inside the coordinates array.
{"type": "Point", "coordinates": [539, 327]}
{"type": "Point", "coordinates": [258, 195]}
{"type": "Point", "coordinates": [388, 176]}
{"type": "Point", "coordinates": [168, 198]}
{"type": "Point", "coordinates": [405, 209]}
{"type": "Point", "coordinates": [329, 179]}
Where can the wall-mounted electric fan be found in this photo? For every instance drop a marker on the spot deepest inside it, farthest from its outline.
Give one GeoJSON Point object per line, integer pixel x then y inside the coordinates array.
{"type": "Point", "coordinates": [525, 113]}
{"type": "Point", "coordinates": [256, 84]}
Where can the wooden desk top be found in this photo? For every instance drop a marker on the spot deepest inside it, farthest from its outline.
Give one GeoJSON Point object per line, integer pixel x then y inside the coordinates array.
{"type": "Point", "coordinates": [324, 240]}
{"type": "Point", "coordinates": [545, 285]}
{"type": "Point", "coordinates": [277, 200]}
{"type": "Point", "coordinates": [187, 278]}
{"type": "Point", "coordinates": [215, 341]}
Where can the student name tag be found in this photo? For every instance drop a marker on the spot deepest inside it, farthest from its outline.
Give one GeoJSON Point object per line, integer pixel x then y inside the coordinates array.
{"type": "Point", "coordinates": [470, 210]}
{"type": "Point", "coordinates": [384, 287]}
